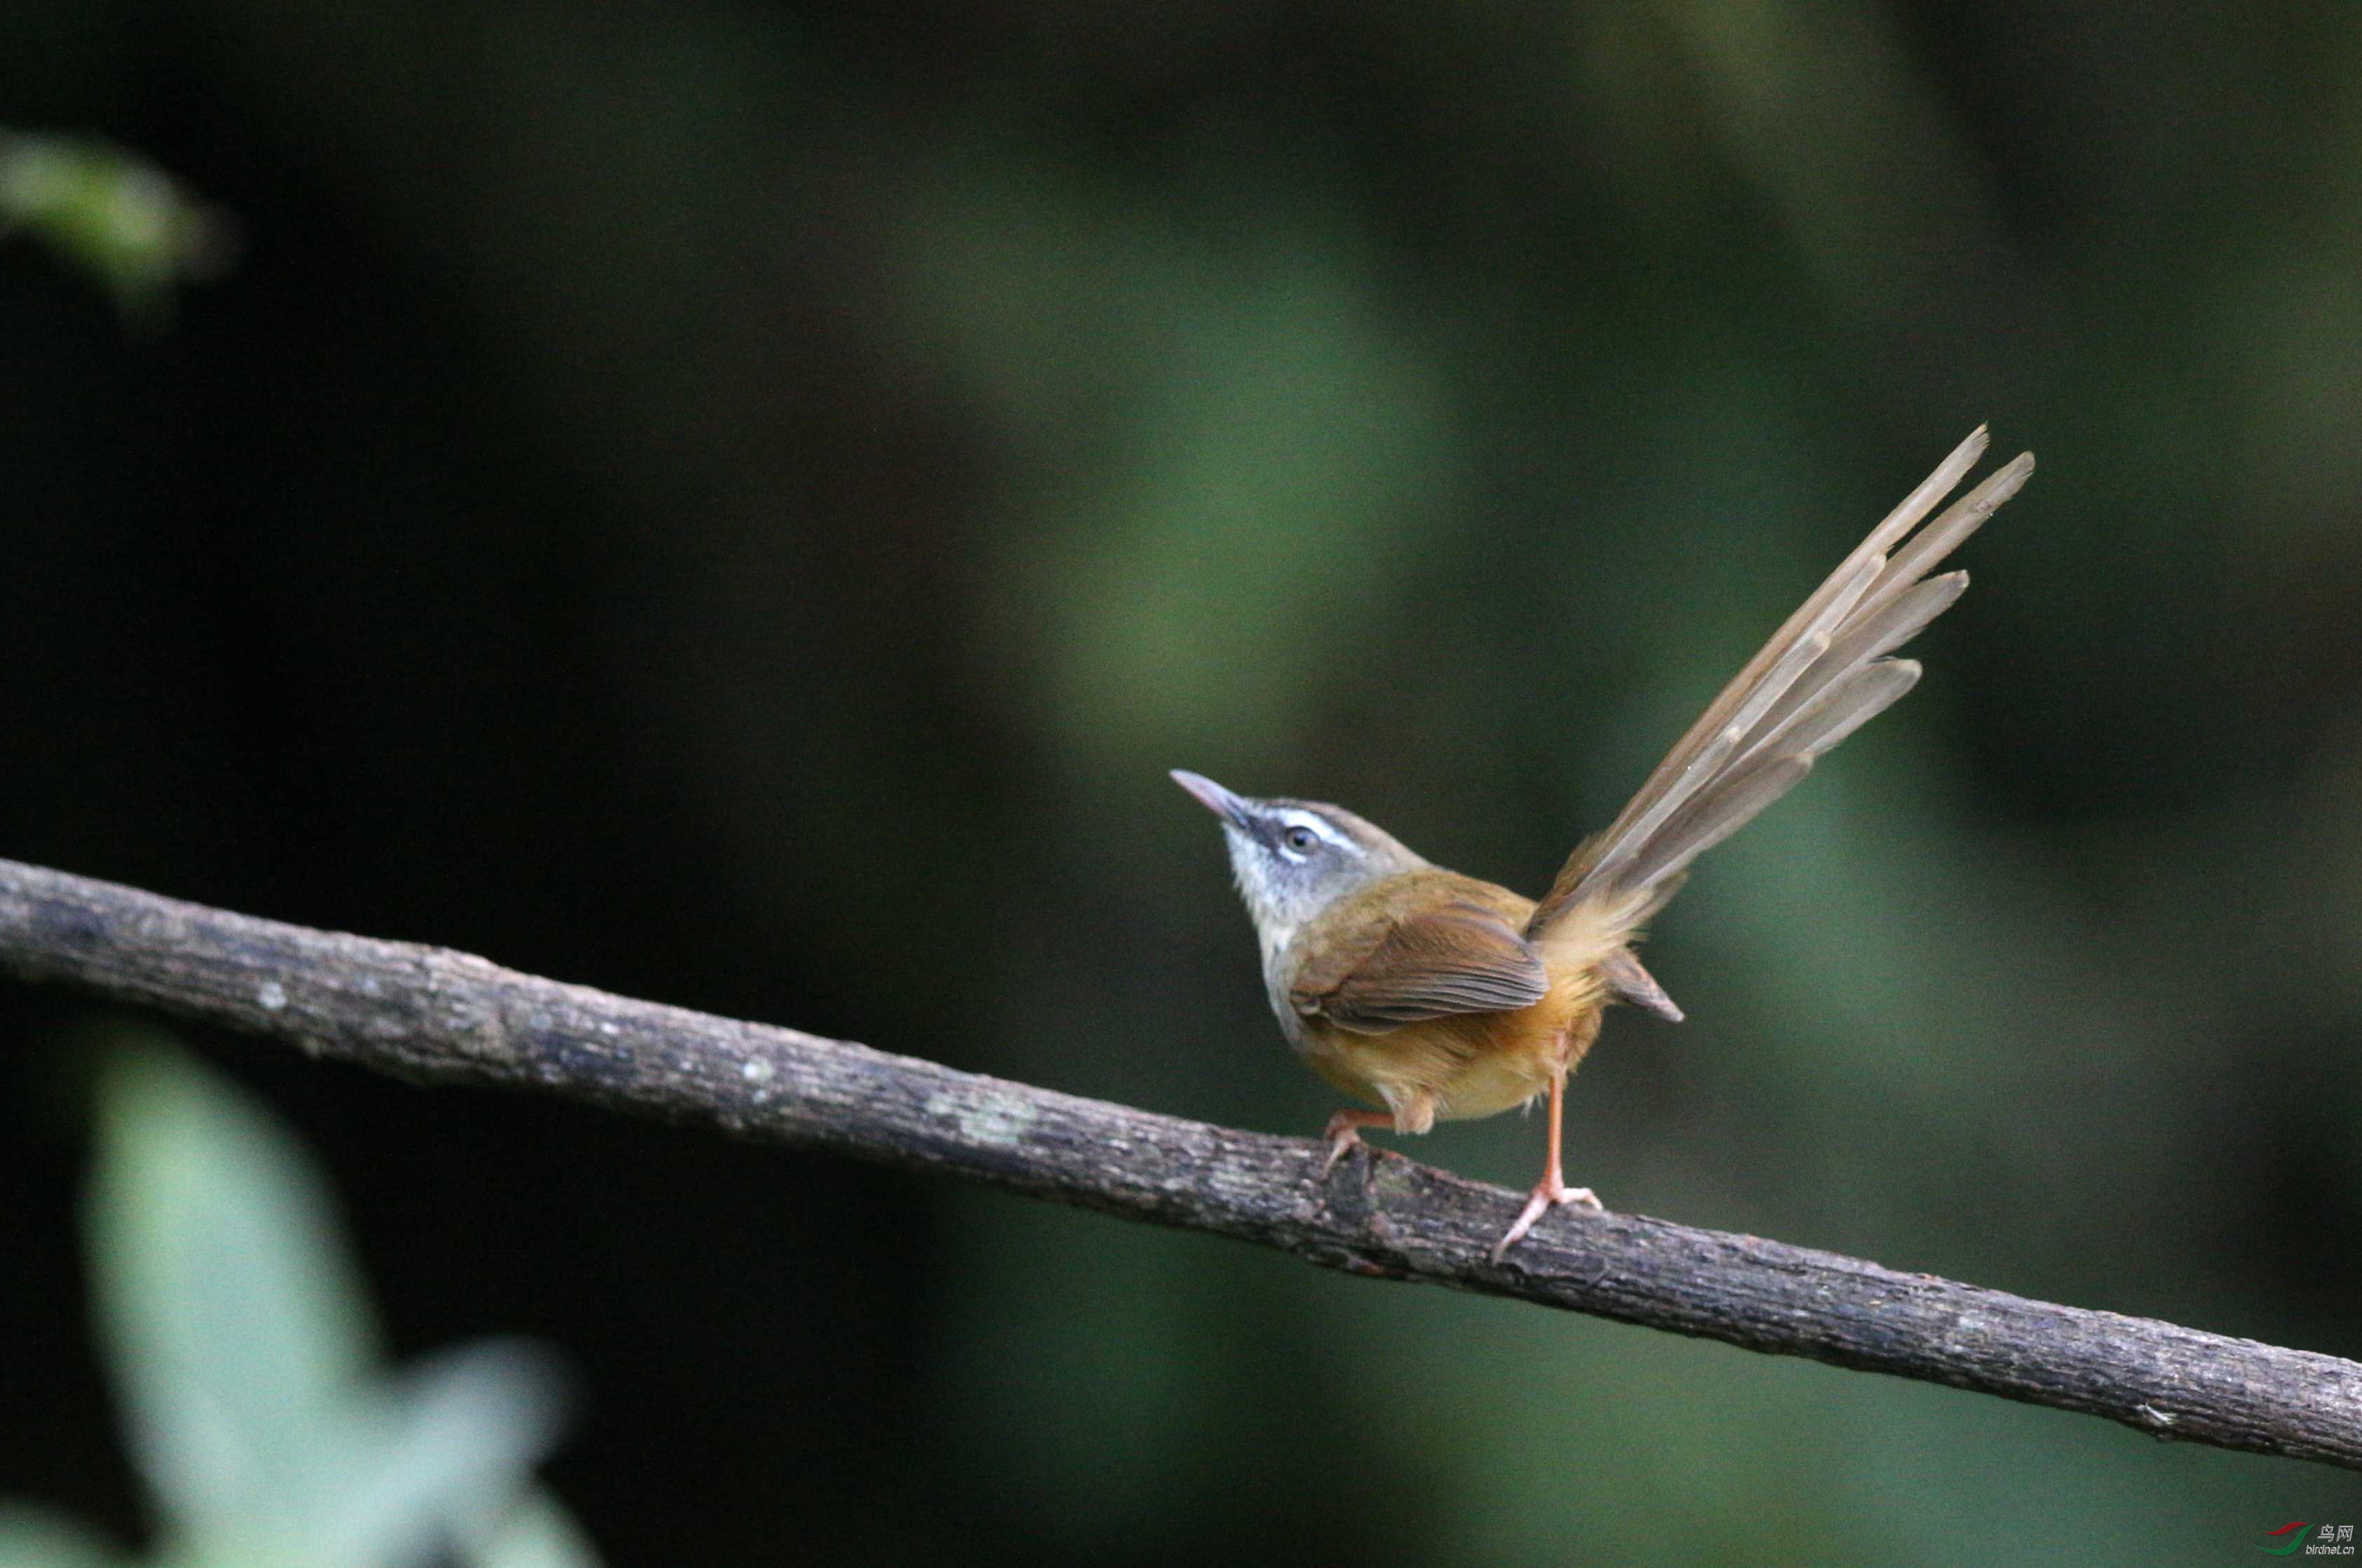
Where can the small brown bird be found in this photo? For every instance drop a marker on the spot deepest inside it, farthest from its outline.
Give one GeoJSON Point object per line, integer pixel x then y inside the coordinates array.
{"type": "Point", "coordinates": [1440, 996]}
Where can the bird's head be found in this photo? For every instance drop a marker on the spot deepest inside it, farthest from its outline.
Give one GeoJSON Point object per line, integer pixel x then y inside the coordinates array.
{"type": "Point", "coordinates": [1295, 858]}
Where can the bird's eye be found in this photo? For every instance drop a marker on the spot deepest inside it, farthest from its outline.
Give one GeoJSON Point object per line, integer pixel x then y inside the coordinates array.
{"type": "Point", "coordinates": [1301, 838]}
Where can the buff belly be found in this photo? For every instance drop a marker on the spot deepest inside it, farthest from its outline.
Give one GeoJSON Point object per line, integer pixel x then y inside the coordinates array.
{"type": "Point", "coordinates": [1462, 1066]}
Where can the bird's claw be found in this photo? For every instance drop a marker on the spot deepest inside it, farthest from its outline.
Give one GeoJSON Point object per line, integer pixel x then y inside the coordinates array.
{"type": "Point", "coordinates": [1546, 1196]}
{"type": "Point", "coordinates": [1343, 1136]}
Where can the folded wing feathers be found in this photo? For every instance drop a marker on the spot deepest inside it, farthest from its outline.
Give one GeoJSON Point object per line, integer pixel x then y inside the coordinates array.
{"type": "Point", "coordinates": [1822, 676]}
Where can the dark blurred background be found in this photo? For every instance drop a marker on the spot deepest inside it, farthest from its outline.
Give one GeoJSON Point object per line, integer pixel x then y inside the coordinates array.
{"type": "Point", "coordinates": [740, 504]}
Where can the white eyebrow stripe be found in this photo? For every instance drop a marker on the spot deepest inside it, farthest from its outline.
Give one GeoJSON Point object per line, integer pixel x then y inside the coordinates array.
{"type": "Point", "coordinates": [1321, 825]}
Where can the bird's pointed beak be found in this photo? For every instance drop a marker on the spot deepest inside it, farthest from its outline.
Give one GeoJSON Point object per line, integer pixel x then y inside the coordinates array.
{"type": "Point", "coordinates": [1231, 808]}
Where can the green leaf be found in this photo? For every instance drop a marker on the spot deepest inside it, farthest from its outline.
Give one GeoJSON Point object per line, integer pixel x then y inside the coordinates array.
{"type": "Point", "coordinates": [235, 1323]}
{"type": "Point", "coordinates": [448, 1445]}
{"type": "Point", "coordinates": [114, 214]}
{"type": "Point", "coordinates": [536, 1532]}
{"type": "Point", "coordinates": [240, 1338]}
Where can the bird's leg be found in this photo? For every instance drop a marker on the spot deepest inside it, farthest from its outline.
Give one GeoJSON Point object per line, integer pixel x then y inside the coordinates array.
{"type": "Point", "coordinates": [1551, 1190]}
{"type": "Point", "coordinates": [1345, 1133]}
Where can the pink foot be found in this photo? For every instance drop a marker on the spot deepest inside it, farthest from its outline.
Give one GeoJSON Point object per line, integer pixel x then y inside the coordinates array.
{"type": "Point", "coordinates": [1343, 1134]}
{"type": "Point", "coordinates": [1546, 1196]}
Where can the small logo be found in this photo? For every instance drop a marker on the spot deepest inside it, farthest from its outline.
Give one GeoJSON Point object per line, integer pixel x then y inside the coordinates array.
{"type": "Point", "coordinates": [2314, 1540]}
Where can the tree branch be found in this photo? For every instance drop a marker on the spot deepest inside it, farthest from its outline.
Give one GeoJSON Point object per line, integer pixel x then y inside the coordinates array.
{"type": "Point", "coordinates": [429, 1014]}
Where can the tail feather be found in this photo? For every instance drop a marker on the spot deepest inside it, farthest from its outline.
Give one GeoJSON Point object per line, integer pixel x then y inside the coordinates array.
{"type": "Point", "coordinates": [1714, 763]}
{"type": "Point", "coordinates": [1861, 648]}
{"type": "Point", "coordinates": [1713, 815]}
{"type": "Point", "coordinates": [1822, 676]}
{"type": "Point", "coordinates": [1853, 702]}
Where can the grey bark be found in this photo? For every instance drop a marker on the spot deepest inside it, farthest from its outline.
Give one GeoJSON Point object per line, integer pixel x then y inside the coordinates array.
{"type": "Point", "coordinates": [432, 1015]}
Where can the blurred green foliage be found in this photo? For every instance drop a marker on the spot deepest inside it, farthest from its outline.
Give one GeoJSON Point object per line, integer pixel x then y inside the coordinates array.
{"type": "Point", "coordinates": [249, 1371]}
{"type": "Point", "coordinates": [134, 228]}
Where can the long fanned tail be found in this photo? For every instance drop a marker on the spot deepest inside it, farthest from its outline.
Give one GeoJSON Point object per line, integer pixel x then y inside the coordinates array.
{"type": "Point", "coordinates": [1822, 676]}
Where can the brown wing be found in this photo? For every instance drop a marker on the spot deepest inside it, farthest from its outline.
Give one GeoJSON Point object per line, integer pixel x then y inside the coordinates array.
{"type": "Point", "coordinates": [1459, 957]}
